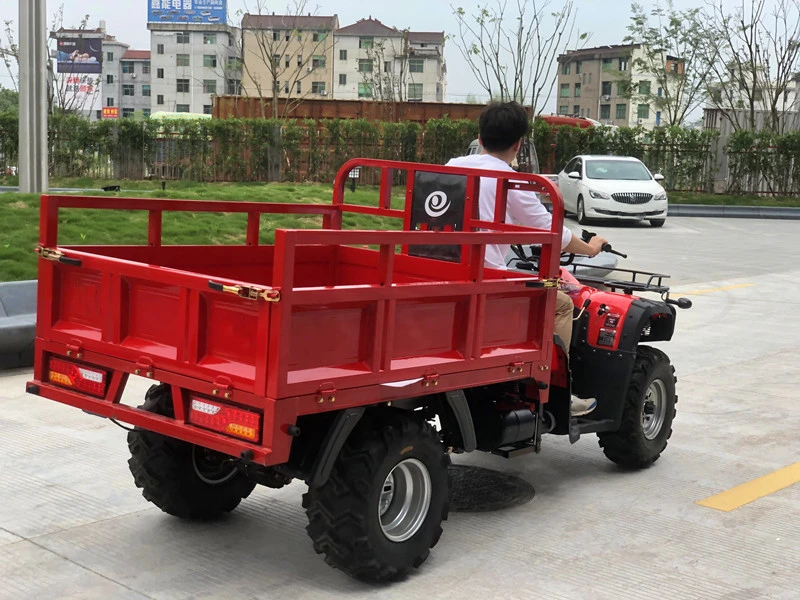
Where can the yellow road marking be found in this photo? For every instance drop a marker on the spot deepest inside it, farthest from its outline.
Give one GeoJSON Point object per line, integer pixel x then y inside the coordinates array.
{"type": "Point", "coordinates": [753, 490]}
{"type": "Point", "coordinates": [718, 289]}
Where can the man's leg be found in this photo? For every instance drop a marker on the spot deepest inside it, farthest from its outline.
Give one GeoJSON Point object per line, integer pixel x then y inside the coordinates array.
{"type": "Point", "coordinates": [563, 329]}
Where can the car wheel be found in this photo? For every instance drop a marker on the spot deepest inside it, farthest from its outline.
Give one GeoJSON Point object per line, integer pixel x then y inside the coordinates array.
{"type": "Point", "coordinates": [657, 222]}
{"type": "Point", "coordinates": [581, 212]}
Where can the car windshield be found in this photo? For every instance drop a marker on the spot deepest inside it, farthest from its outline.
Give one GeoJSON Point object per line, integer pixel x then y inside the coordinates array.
{"type": "Point", "coordinates": [626, 170]}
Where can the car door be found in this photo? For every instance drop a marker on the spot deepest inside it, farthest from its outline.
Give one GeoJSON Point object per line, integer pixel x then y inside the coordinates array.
{"type": "Point", "coordinates": [567, 186]}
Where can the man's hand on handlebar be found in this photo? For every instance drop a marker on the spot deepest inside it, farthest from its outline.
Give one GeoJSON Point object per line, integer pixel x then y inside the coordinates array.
{"type": "Point", "coordinates": [591, 247]}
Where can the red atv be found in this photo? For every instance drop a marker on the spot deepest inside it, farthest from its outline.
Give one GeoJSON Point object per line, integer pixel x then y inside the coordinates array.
{"type": "Point", "coordinates": [329, 355]}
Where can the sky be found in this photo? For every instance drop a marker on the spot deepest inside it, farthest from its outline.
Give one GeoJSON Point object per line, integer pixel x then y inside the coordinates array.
{"type": "Point", "coordinates": [605, 20]}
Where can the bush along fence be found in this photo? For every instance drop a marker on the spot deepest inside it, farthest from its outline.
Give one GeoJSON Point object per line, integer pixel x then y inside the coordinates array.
{"type": "Point", "coordinates": [309, 150]}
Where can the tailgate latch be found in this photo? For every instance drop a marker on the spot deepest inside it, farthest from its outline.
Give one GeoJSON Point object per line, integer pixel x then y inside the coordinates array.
{"type": "Point", "coordinates": [243, 291]}
{"type": "Point", "coordinates": [543, 283]}
{"type": "Point", "coordinates": [57, 256]}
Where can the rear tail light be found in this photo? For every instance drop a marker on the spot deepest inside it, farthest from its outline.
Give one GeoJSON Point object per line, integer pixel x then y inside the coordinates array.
{"type": "Point", "coordinates": [239, 423]}
{"type": "Point", "coordinates": [90, 381]}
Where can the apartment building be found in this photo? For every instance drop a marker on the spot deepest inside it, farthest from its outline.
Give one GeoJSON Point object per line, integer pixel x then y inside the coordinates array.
{"type": "Point", "coordinates": [125, 82]}
{"type": "Point", "coordinates": [377, 62]}
{"type": "Point", "coordinates": [191, 63]}
{"type": "Point", "coordinates": [288, 56]}
{"type": "Point", "coordinates": [596, 83]}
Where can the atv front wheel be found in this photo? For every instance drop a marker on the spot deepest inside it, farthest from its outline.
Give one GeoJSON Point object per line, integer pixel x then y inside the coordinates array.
{"type": "Point", "coordinates": [382, 508]}
{"type": "Point", "coordinates": [182, 479]}
{"type": "Point", "coordinates": [647, 413]}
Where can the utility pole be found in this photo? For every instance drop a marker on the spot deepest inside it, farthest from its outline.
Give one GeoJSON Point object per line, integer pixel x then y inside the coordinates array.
{"type": "Point", "coordinates": [33, 147]}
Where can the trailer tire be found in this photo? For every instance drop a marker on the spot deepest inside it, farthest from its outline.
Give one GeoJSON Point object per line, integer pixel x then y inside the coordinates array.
{"type": "Point", "coordinates": [647, 414]}
{"type": "Point", "coordinates": [182, 479]}
{"type": "Point", "coordinates": [356, 519]}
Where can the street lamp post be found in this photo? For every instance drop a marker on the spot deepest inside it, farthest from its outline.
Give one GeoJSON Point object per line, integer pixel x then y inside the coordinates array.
{"type": "Point", "coordinates": [33, 148]}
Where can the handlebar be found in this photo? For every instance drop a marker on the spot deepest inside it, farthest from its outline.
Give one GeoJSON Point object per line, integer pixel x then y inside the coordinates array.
{"type": "Point", "coordinates": [586, 236]}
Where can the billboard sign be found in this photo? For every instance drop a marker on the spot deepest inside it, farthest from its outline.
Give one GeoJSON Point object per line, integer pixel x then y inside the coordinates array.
{"type": "Point", "coordinates": [79, 55]}
{"type": "Point", "coordinates": [110, 112]}
{"type": "Point", "coordinates": [187, 11]}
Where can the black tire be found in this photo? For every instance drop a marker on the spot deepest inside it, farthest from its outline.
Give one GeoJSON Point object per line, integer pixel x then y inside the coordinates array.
{"type": "Point", "coordinates": [345, 517]}
{"type": "Point", "coordinates": [182, 479]}
{"type": "Point", "coordinates": [639, 441]}
{"type": "Point", "coordinates": [657, 222]}
{"type": "Point", "coordinates": [580, 213]}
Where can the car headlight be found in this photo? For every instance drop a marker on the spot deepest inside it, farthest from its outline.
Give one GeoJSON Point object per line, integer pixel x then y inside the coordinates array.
{"type": "Point", "coordinates": [660, 196]}
{"type": "Point", "coordinates": [601, 195]}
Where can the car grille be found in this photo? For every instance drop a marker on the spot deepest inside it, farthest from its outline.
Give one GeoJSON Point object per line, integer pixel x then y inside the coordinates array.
{"type": "Point", "coordinates": [632, 198]}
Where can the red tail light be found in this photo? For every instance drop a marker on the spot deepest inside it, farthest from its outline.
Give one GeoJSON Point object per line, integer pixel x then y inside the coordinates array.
{"type": "Point", "coordinates": [225, 419]}
{"type": "Point", "coordinates": [90, 381]}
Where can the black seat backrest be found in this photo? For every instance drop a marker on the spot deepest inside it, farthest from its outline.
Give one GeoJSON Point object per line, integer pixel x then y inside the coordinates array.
{"type": "Point", "coordinates": [438, 205]}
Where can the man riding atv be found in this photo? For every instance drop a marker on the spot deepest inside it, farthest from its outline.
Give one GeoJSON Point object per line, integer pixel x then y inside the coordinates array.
{"type": "Point", "coordinates": [503, 128]}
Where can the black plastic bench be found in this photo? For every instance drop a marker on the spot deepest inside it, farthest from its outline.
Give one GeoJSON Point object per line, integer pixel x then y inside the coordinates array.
{"type": "Point", "coordinates": [17, 323]}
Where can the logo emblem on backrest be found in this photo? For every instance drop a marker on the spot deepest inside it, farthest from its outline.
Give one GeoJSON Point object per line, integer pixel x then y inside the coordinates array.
{"type": "Point", "coordinates": [436, 204]}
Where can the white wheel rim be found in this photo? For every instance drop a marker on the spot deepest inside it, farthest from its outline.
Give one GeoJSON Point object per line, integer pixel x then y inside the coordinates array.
{"type": "Point", "coordinates": [404, 500]}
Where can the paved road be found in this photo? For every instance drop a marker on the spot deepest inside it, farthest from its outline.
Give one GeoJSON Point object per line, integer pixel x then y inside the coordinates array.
{"type": "Point", "coordinates": [72, 525]}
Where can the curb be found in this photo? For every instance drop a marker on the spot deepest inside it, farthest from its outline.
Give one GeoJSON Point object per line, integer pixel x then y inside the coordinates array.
{"type": "Point", "coordinates": [735, 212]}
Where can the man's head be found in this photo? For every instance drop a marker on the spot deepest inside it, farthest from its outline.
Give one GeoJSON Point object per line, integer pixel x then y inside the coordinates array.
{"type": "Point", "coordinates": [502, 127]}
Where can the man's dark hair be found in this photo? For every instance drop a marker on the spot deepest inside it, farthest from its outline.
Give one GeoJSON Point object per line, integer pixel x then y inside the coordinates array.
{"type": "Point", "coordinates": [502, 125]}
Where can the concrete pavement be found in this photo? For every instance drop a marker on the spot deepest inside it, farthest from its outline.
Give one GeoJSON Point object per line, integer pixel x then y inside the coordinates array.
{"type": "Point", "coordinates": [72, 524]}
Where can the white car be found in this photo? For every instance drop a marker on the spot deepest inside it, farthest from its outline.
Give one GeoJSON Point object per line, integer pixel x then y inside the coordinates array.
{"type": "Point", "coordinates": [612, 187]}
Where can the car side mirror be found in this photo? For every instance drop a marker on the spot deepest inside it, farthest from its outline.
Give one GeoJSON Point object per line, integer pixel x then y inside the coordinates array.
{"type": "Point", "coordinates": [658, 177]}
{"type": "Point", "coordinates": [575, 175]}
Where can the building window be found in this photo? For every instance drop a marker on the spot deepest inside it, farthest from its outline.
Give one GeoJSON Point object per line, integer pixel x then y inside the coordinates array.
{"type": "Point", "coordinates": [605, 111]}
{"type": "Point", "coordinates": [342, 54]}
{"type": "Point", "coordinates": [366, 42]}
{"type": "Point", "coordinates": [181, 108]}
{"type": "Point", "coordinates": [588, 113]}
{"type": "Point", "coordinates": [183, 37]}
{"type": "Point", "coordinates": [565, 90]}
{"type": "Point", "coordinates": [127, 113]}
{"type": "Point", "coordinates": [109, 102]}
{"type": "Point", "coordinates": [209, 38]}
{"type": "Point", "coordinates": [276, 35]}
{"type": "Point", "coordinates": [578, 67]}
{"type": "Point", "coordinates": [109, 79]}
{"type": "Point", "coordinates": [643, 111]}
{"type": "Point", "coordinates": [146, 67]}
{"type": "Point", "coordinates": [416, 65]}
{"type": "Point", "coordinates": [661, 92]}
{"type": "Point", "coordinates": [210, 61]}
{"type": "Point", "coordinates": [182, 86]}
{"type": "Point", "coordinates": [110, 56]}
{"type": "Point", "coordinates": [276, 59]}
{"type": "Point", "coordinates": [146, 89]}
{"type": "Point", "coordinates": [658, 118]}
{"type": "Point", "coordinates": [285, 87]}
{"type": "Point", "coordinates": [318, 87]}
{"type": "Point", "coordinates": [160, 99]}
{"type": "Point", "coordinates": [286, 61]}
{"type": "Point", "coordinates": [387, 66]}
{"type": "Point", "coordinates": [318, 61]}
{"type": "Point", "coordinates": [160, 49]}
{"type": "Point", "coordinates": [232, 87]}
{"type": "Point", "coordinates": [127, 67]}
{"type": "Point", "coordinates": [576, 109]}
{"type": "Point", "coordinates": [364, 65]}
{"type": "Point", "coordinates": [622, 111]}
{"type": "Point", "coordinates": [146, 113]}
{"type": "Point", "coordinates": [364, 90]}
{"type": "Point", "coordinates": [621, 89]}
{"type": "Point", "coordinates": [159, 73]}
{"type": "Point", "coordinates": [207, 109]}
{"type": "Point", "coordinates": [644, 88]}
{"type": "Point", "coordinates": [299, 87]}
{"type": "Point", "coordinates": [287, 36]}
{"type": "Point", "coordinates": [98, 114]}
{"type": "Point", "coordinates": [565, 69]}
{"type": "Point", "coordinates": [415, 91]}
{"type": "Point", "coordinates": [234, 63]}
{"type": "Point", "coordinates": [563, 110]}
{"type": "Point", "coordinates": [182, 60]}
{"type": "Point", "coordinates": [128, 89]}
{"type": "Point", "coordinates": [319, 36]}
{"type": "Point", "coordinates": [608, 64]}
{"type": "Point", "coordinates": [605, 88]}
{"type": "Point", "coordinates": [623, 64]}
{"type": "Point", "coordinates": [209, 86]}
{"type": "Point", "coordinates": [342, 79]}
{"type": "Point", "coordinates": [299, 60]}
{"type": "Point", "coordinates": [577, 90]}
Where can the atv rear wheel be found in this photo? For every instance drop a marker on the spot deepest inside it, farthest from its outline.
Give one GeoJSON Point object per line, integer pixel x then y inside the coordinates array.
{"type": "Point", "coordinates": [647, 414]}
{"type": "Point", "coordinates": [182, 479]}
{"type": "Point", "coordinates": [381, 511]}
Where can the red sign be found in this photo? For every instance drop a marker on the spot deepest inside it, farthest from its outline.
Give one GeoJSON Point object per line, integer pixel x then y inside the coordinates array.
{"type": "Point", "coordinates": [111, 112]}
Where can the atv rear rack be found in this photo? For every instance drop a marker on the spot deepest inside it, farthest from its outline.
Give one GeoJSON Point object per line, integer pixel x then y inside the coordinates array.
{"type": "Point", "coordinates": [654, 281]}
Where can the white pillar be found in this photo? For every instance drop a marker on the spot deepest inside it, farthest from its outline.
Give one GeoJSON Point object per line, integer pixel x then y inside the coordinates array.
{"type": "Point", "coordinates": [33, 147]}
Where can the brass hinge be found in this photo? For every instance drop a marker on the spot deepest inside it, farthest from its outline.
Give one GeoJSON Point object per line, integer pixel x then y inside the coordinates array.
{"type": "Point", "coordinates": [56, 256]}
{"type": "Point", "coordinates": [250, 293]}
{"type": "Point", "coordinates": [543, 283]}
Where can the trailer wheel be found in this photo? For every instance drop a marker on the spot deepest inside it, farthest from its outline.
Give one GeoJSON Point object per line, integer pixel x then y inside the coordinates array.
{"type": "Point", "coordinates": [647, 414]}
{"type": "Point", "coordinates": [382, 508]}
{"type": "Point", "coordinates": [183, 479]}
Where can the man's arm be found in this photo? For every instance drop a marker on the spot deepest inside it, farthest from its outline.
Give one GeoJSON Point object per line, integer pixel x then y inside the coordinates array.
{"type": "Point", "coordinates": [578, 246]}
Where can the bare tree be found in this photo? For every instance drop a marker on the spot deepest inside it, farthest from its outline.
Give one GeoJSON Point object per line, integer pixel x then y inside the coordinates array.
{"type": "Point", "coordinates": [512, 52]}
{"type": "Point", "coordinates": [286, 53]}
{"type": "Point", "coordinates": [672, 54]}
{"type": "Point", "coordinates": [754, 56]}
{"type": "Point", "coordinates": [10, 52]}
{"type": "Point", "coordinates": [388, 76]}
